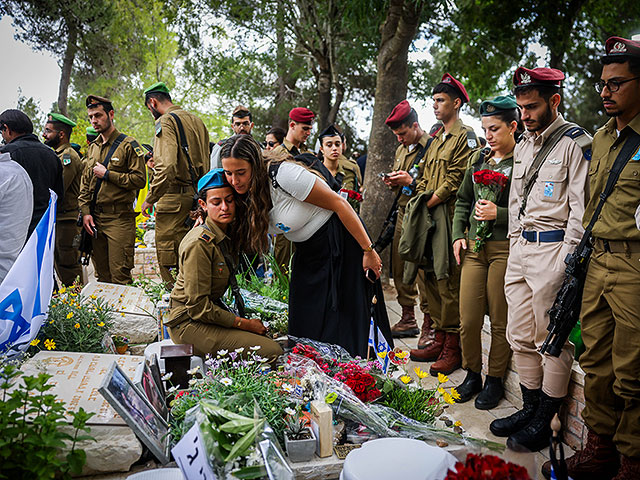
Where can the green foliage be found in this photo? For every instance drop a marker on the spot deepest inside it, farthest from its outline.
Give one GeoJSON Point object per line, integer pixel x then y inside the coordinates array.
{"type": "Point", "coordinates": [31, 429]}
{"type": "Point", "coordinates": [295, 426]}
{"type": "Point", "coordinates": [415, 403]}
{"type": "Point", "coordinates": [152, 288]}
{"type": "Point", "coordinates": [75, 323]}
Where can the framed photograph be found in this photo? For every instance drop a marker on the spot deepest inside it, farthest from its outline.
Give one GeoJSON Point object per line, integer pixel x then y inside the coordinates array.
{"type": "Point", "coordinates": [154, 366]}
{"type": "Point", "coordinates": [144, 381]}
{"type": "Point", "coordinates": [132, 405]}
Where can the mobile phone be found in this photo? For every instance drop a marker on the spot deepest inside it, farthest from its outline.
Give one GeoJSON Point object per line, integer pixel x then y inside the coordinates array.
{"type": "Point", "coordinates": [383, 175]}
{"type": "Point", "coordinates": [371, 276]}
{"type": "Point", "coordinates": [95, 231]}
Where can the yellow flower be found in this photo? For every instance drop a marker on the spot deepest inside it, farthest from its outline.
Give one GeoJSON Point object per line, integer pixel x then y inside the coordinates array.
{"type": "Point", "coordinates": [70, 314]}
{"type": "Point", "coordinates": [447, 398]}
{"type": "Point", "coordinates": [442, 378]}
{"type": "Point", "coordinates": [401, 354]}
{"type": "Point", "coordinates": [122, 314]}
{"type": "Point", "coordinates": [77, 325]}
{"type": "Point", "coordinates": [93, 297]}
{"type": "Point", "coordinates": [50, 344]}
{"type": "Point", "coordinates": [455, 394]}
{"type": "Point", "coordinates": [62, 290]}
{"type": "Point", "coordinates": [382, 354]}
{"type": "Point", "coordinates": [457, 424]}
{"type": "Point", "coordinates": [101, 324]}
{"type": "Point", "coordinates": [441, 391]}
{"type": "Point", "coordinates": [420, 373]}
{"type": "Point", "coordinates": [405, 379]}
{"type": "Point", "coordinates": [74, 294]}
{"type": "Point", "coordinates": [35, 341]}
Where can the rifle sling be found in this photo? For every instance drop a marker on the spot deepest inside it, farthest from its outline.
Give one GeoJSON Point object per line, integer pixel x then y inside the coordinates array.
{"type": "Point", "coordinates": [94, 200]}
{"type": "Point", "coordinates": [185, 148]}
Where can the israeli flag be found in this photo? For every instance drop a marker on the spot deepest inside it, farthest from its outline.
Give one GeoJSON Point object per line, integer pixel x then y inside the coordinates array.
{"type": "Point", "coordinates": [26, 291]}
{"type": "Point", "coordinates": [379, 346]}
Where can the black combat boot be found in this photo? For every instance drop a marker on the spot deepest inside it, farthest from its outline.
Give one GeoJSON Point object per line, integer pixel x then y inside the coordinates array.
{"type": "Point", "coordinates": [491, 393]}
{"type": "Point", "coordinates": [503, 427]}
{"type": "Point", "coordinates": [535, 436]}
{"type": "Point", "coordinates": [471, 385]}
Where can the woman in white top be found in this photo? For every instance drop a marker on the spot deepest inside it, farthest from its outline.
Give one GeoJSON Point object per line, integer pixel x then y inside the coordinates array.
{"type": "Point", "coordinates": [330, 297]}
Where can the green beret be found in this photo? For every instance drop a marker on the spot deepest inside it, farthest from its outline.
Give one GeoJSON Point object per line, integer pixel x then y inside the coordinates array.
{"type": "Point", "coordinates": [92, 131]}
{"type": "Point", "coordinates": [58, 117]}
{"type": "Point", "coordinates": [159, 87]}
{"type": "Point", "coordinates": [497, 105]}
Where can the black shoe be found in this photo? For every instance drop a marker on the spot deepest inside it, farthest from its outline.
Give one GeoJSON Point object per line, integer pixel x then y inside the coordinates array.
{"type": "Point", "coordinates": [491, 394]}
{"type": "Point", "coordinates": [503, 427]}
{"type": "Point", "coordinates": [471, 385]}
{"type": "Point", "coordinates": [535, 436]}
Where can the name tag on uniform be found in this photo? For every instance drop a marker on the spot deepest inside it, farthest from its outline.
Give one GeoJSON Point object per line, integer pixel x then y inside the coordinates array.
{"type": "Point", "coordinates": [548, 189]}
{"type": "Point", "coordinates": [115, 160]}
{"type": "Point", "coordinates": [636, 156]}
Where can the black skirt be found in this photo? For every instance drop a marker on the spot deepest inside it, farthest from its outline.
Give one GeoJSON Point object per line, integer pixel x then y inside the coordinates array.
{"type": "Point", "coordinates": [330, 299]}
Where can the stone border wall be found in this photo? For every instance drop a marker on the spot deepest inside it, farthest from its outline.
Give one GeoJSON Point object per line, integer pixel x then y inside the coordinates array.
{"type": "Point", "coordinates": [146, 262]}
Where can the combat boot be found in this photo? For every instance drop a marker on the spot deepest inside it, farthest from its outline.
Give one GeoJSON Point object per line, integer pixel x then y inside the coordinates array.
{"type": "Point", "coordinates": [535, 436]}
{"type": "Point", "coordinates": [427, 332]}
{"type": "Point", "coordinates": [471, 385]}
{"type": "Point", "coordinates": [432, 351]}
{"type": "Point", "coordinates": [491, 393]}
{"type": "Point", "coordinates": [629, 469]}
{"type": "Point", "coordinates": [503, 427]}
{"type": "Point", "coordinates": [450, 358]}
{"type": "Point", "coordinates": [598, 460]}
{"type": "Point", "coordinates": [407, 326]}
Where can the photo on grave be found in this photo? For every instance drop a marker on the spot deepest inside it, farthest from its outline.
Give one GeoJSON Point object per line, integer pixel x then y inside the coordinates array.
{"type": "Point", "coordinates": [144, 381]}
{"type": "Point", "coordinates": [136, 411]}
{"type": "Point", "coordinates": [154, 366]}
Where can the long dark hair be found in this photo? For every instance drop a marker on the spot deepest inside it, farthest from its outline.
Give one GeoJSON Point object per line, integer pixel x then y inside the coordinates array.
{"type": "Point", "coordinates": [254, 206]}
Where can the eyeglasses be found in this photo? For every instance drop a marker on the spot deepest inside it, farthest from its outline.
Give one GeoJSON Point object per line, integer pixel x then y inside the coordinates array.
{"type": "Point", "coordinates": [273, 144]}
{"type": "Point", "coordinates": [612, 85]}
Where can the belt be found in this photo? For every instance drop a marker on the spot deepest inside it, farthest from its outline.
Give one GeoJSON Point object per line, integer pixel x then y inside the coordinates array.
{"type": "Point", "coordinates": [114, 208]}
{"type": "Point", "coordinates": [180, 189]}
{"type": "Point", "coordinates": [617, 246]}
{"type": "Point", "coordinates": [543, 237]}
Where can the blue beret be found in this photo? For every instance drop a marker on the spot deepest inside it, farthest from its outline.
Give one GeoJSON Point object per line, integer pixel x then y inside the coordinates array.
{"type": "Point", "coordinates": [213, 179]}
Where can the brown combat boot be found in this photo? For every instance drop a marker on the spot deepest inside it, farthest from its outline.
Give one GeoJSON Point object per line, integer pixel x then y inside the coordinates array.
{"type": "Point", "coordinates": [597, 460]}
{"type": "Point", "coordinates": [629, 469]}
{"type": "Point", "coordinates": [427, 332]}
{"type": "Point", "coordinates": [450, 358]}
{"type": "Point", "coordinates": [407, 326]}
{"type": "Point", "coordinates": [432, 351]}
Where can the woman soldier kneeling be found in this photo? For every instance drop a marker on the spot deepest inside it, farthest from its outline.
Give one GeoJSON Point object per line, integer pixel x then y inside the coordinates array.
{"type": "Point", "coordinates": [197, 315]}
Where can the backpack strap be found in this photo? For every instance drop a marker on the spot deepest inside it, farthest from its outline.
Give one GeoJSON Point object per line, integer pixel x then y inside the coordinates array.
{"type": "Point", "coordinates": [114, 146]}
{"type": "Point", "coordinates": [185, 148]}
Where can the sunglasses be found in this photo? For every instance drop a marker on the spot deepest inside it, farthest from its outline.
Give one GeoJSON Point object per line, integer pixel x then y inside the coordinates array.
{"type": "Point", "coordinates": [273, 144]}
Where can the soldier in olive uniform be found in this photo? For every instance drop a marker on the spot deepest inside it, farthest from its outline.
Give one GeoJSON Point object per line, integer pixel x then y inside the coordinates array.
{"type": "Point", "coordinates": [442, 171]}
{"type": "Point", "coordinates": [206, 259]}
{"type": "Point", "coordinates": [57, 132]}
{"type": "Point", "coordinates": [544, 226]}
{"type": "Point", "coordinates": [107, 194]}
{"type": "Point", "coordinates": [172, 187]}
{"type": "Point", "coordinates": [611, 301]}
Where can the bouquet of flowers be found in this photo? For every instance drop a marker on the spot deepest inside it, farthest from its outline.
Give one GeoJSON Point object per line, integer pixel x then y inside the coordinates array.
{"type": "Point", "coordinates": [359, 380]}
{"type": "Point", "coordinates": [354, 198]}
{"type": "Point", "coordinates": [489, 467]}
{"type": "Point", "coordinates": [489, 185]}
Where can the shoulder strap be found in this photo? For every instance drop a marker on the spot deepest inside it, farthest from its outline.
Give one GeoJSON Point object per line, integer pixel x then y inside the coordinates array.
{"type": "Point", "coordinates": [119, 139]}
{"type": "Point", "coordinates": [185, 148]}
{"type": "Point", "coordinates": [534, 169]}
{"type": "Point", "coordinates": [472, 139]}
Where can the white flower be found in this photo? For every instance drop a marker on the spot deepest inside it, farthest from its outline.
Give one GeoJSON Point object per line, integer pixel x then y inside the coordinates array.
{"type": "Point", "coordinates": [167, 376]}
{"type": "Point", "coordinates": [172, 389]}
{"type": "Point", "coordinates": [239, 350]}
{"type": "Point", "coordinates": [222, 352]}
{"type": "Point", "coordinates": [193, 381]}
{"type": "Point", "coordinates": [287, 387]}
{"type": "Point", "coordinates": [226, 381]}
{"type": "Point", "coordinates": [193, 370]}
{"type": "Point", "coordinates": [255, 348]}
{"type": "Point", "coordinates": [261, 359]}
{"type": "Point", "coordinates": [290, 411]}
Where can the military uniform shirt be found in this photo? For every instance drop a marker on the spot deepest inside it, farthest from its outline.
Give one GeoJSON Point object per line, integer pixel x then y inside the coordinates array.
{"type": "Point", "coordinates": [171, 165]}
{"type": "Point", "coordinates": [203, 277]}
{"type": "Point", "coordinates": [404, 160]}
{"type": "Point", "coordinates": [126, 173]}
{"type": "Point", "coordinates": [616, 221]}
{"type": "Point", "coordinates": [558, 197]}
{"type": "Point", "coordinates": [292, 149]}
{"type": "Point", "coordinates": [72, 166]}
{"type": "Point", "coordinates": [443, 167]}
{"type": "Point", "coordinates": [351, 176]}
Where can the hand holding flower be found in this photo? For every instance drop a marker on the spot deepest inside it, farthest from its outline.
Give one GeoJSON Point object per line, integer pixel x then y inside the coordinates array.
{"type": "Point", "coordinates": [485, 210]}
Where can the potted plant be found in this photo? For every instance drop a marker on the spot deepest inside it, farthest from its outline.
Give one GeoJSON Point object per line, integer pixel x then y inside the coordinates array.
{"type": "Point", "coordinates": [299, 440]}
{"type": "Point", "coordinates": [121, 342]}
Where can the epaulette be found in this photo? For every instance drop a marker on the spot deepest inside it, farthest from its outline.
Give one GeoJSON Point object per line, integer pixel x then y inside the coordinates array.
{"type": "Point", "coordinates": [472, 139]}
{"type": "Point", "coordinates": [66, 158]}
{"type": "Point", "coordinates": [206, 236]}
{"type": "Point", "coordinates": [158, 127]}
{"type": "Point", "coordinates": [582, 138]}
{"type": "Point", "coordinates": [137, 148]}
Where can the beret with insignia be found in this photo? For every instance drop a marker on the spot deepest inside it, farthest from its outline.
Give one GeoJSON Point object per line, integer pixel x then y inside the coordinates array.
{"type": "Point", "coordinates": [213, 179]}
{"type": "Point", "coordinates": [92, 131]}
{"type": "Point", "coordinates": [537, 77]}
{"type": "Point", "coordinates": [330, 131]}
{"type": "Point", "coordinates": [58, 117]}
{"type": "Point", "coordinates": [159, 87]}
{"type": "Point", "coordinates": [618, 47]}
{"type": "Point", "coordinates": [499, 104]}
{"type": "Point", "coordinates": [302, 115]}
{"type": "Point", "coordinates": [95, 100]}
{"type": "Point", "coordinates": [399, 113]}
{"type": "Point", "coordinates": [449, 80]}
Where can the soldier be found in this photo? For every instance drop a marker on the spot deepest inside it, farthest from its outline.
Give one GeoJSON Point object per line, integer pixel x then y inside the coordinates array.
{"type": "Point", "coordinates": [57, 132]}
{"type": "Point", "coordinates": [274, 137]}
{"type": "Point", "coordinates": [176, 171]}
{"type": "Point", "coordinates": [441, 172]}
{"type": "Point", "coordinates": [344, 170]}
{"type": "Point", "coordinates": [414, 141]}
{"type": "Point", "coordinates": [610, 302]}
{"type": "Point", "coordinates": [91, 135]}
{"type": "Point", "coordinates": [241, 123]}
{"type": "Point", "coordinates": [545, 213]}
{"type": "Point", "coordinates": [113, 173]}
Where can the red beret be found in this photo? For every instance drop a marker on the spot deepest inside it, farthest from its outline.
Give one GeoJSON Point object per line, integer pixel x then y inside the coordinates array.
{"type": "Point", "coordinates": [301, 115]}
{"type": "Point", "coordinates": [449, 80]}
{"type": "Point", "coordinates": [539, 77]}
{"type": "Point", "coordinates": [399, 112]}
{"type": "Point", "coordinates": [617, 47]}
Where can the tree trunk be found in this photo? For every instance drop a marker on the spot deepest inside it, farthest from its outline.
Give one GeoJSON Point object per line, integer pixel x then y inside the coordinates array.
{"type": "Point", "coordinates": [398, 31]}
{"type": "Point", "coordinates": [324, 96]}
{"type": "Point", "coordinates": [67, 67]}
{"type": "Point", "coordinates": [286, 82]}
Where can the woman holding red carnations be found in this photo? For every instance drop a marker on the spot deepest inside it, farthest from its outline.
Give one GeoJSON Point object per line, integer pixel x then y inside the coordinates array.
{"type": "Point", "coordinates": [481, 215]}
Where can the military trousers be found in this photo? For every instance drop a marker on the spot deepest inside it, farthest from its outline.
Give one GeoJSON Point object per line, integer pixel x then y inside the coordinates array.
{"type": "Point", "coordinates": [443, 298]}
{"type": "Point", "coordinates": [171, 212]}
{"type": "Point", "coordinates": [67, 257]}
{"type": "Point", "coordinates": [535, 272]}
{"type": "Point", "coordinates": [611, 363]}
{"type": "Point", "coordinates": [482, 288]}
{"type": "Point", "coordinates": [208, 338]}
{"type": "Point", "coordinates": [283, 250]}
{"type": "Point", "coordinates": [114, 248]}
{"type": "Point", "coordinates": [406, 293]}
